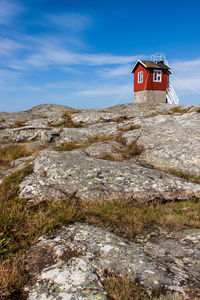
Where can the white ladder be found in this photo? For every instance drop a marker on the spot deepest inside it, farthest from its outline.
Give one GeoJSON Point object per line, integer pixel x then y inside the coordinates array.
{"type": "Point", "coordinates": [172, 97]}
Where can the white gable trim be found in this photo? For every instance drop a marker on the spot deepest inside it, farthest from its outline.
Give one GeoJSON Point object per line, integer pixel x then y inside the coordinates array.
{"type": "Point", "coordinates": [139, 61]}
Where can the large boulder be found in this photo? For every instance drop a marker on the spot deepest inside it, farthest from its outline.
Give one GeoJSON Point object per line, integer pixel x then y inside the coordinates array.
{"type": "Point", "coordinates": [164, 264]}
{"type": "Point", "coordinates": [61, 174]}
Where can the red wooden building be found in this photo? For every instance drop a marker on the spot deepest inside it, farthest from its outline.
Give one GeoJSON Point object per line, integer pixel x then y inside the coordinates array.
{"type": "Point", "coordinates": [151, 81]}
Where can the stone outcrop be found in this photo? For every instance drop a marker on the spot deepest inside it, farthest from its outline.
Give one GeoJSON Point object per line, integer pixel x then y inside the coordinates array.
{"type": "Point", "coordinates": [169, 263]}
{"type": "Point", "coordinates": [131, 152]}
{"type": "Point", "coordinates": [62, 174]}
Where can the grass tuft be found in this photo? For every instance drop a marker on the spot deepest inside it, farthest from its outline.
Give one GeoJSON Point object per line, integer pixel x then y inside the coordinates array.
{"type": "Point", "coordinates": [180, 174]}
{"type": "Point", "coordinates": [127, 152]}
{"type": "Point", "coordinates": [179, 110]}
{"type": "Point", "coordinates": [122, 288]}
{"type": "Point", "coordinates": [68, 146]}
{"type": "Point", "coordinates": [71, 145]}
{"type": "Point", "coordinates": [18, 123]}
{"type": "Point", "coordinates": [12, 152]}
{"type": "Point", "coordinates": [68, 120]}
{"type": "Point", "coordinates": [130, 127]}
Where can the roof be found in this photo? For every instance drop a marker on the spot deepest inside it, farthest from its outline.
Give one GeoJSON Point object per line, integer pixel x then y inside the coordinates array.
{"type": "Point", "coordinates": [152, 65]}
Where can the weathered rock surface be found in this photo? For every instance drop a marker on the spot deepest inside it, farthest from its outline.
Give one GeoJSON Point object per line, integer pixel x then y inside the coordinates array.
{"type": "Point", "coordinates": [164, 263]}
{"type": "Point", "coordinates": [69, 173]}
{"type": "Point", "coordinates": [170, 142]}
{"type": "Point", "coordinates": [102, 149]}
{"type": "Point", "coordinates": [73, 279]}
{"type": "Point", "coordinates": [75, 258]}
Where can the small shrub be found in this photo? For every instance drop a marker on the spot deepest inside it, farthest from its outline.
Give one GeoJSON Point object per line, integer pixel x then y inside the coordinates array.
{"type": "Point", "coordinates": [198, 110]}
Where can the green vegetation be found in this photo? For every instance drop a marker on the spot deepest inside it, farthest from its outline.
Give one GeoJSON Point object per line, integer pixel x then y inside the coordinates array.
{"type": "Point", "coordinates": [198, 110]}
{"type": "Point", "coordinates": [185, 176]}
{"type": "Point", "coordinates": [179, 110]}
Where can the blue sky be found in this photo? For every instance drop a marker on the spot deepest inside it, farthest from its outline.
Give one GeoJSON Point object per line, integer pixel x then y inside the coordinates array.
{"type": "Point", "coordinates": [80, 52]}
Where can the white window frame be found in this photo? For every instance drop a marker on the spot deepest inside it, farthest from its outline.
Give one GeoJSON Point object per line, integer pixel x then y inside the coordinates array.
{"type": "Point", "coordinates": [140, 77]}
{"type": "Point", "coordinates": [157, 76]}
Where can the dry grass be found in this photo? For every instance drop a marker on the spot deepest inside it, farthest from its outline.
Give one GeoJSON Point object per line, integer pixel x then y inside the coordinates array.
{"type": "Point", "coordinates": [129, 219]}
{"type": "Point", "coordinates": [12, 152]}
{"type": "Point", "coordinates": [18, 123]}
{"type": "Point", "coordinates": [71, 145]}
{"type": "Point", "coordinates": [130, 127]}
{"type": "Point", "coordinates": [12, 277]}
{"type": "Point", "coordinates": [68, 146]}
{"type": "Point", "coordinates": [122, 288]}
{"type": "Point", "coordinates": [127, 152]}
{"type": "Point", "coordinates": [68, 120]}
{"type": "Point", "coordinates": [179, 110]}
{"type": "Point", "coordinates": [20, 225]}
{"type": "Point", "coordinates": [131, 150]}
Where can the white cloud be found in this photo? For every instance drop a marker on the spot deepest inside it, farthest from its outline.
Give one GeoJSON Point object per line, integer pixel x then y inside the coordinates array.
{"type": "Point", "coordinates": [49, 55]}
{"type": "Point", "coordinates": [9, 10]}
{"type": "Point", "coordinates": [72, 21]}
{"type": "Point", "coordinates": [8, 46]}
{"type": "Point", "coordinates": [186, 77]}
{"type": "Point", "coordinates": [114, 72]}
{"type": "Point", "coordinates": [186, 66]}
{"type": "Point", "coordinates": [104, 90]}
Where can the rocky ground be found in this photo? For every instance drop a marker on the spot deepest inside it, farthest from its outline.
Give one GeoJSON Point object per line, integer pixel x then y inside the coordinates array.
{"type": "Point", "coordinates": [137, 153]}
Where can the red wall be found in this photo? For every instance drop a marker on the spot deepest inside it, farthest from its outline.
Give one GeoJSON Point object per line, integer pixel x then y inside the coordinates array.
{"type": "Point", "coordinates": [148, 83]}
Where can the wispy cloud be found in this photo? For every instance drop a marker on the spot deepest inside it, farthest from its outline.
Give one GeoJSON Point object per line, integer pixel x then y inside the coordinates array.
{"type": "Point", "coordinates": [72, 21]}
{"type": "Point", "coordinates": [187, 76]}
{"type": "Point", "coordinates": [9, 10]}
{"type": "Point", "coordinates": [8, 46]}
{"type": "Point", "coordinates": [115, 72]}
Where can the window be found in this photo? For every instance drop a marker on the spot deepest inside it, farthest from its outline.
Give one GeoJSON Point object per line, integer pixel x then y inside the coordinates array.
{"type": "Point", "coordinates": [140, 77]}
{"type": "Point", "coordinates": [157, 76]}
